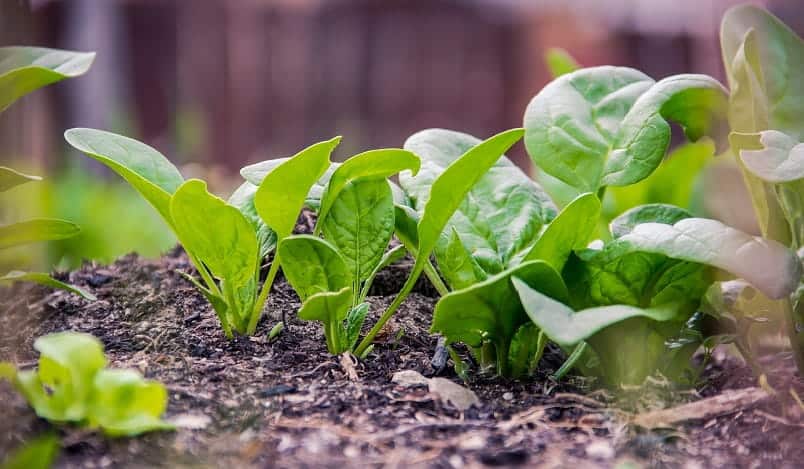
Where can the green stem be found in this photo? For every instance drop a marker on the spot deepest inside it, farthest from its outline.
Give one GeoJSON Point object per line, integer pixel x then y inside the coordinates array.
{"type": "Point", "coordinates": [435, 279]}
{"type": "Point", "coordinates": [202, 270]}
{"type": "Point", "coordinates": [400, 297]}
{"type": "Point", "coordinates": [266, 288]}
{"type": "Point", "coordinates": [795, 330]}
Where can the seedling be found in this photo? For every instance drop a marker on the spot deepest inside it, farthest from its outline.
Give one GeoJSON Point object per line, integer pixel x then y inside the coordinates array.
{"type": "Point", "coordinates": [224, 241]}
{"type": "Point", "coordinates": [73, 385]}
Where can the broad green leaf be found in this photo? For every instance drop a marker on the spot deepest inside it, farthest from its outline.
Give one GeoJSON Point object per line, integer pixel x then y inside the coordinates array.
{"type": "Point", "coordinates": [604, 126]}
{"type": "Point", "coordinates": [406, 222]}
{"type": "Point", "coordinates": [560, 62]}
{"type": "Point", "coordinates": [331, 308]}
{"type": "Point", "coordinates": [215, 232]}
{"type": "Point", "coordinates": [283, 191]}
{"type": "Point", "coordinates": [774, 156]}
{"type": "Point", "coordinates": [243, 200]}
{"type": "Point", "coordinates": [659, 213]}
{"type": "Point", "coordinates": [572, 229]}
{"type": "Point", "coordinates": [490, 310]}
{"type": "Point", "coordinates": [567, 327]}
{"type": "Point", "coordinates": [676, 181]}
{"type": "Point", "coordinates": [313, 265]}
{"type": "Point", "coordinates": [526, 350]}
{"type": "Point", "coordinates": [256, 173]}
{"type": "Point", "coordinates": [500, 215]}
{"type": "Point", "coordinates": [35, 454]}
{"type": "Point", "coordinates": [150, 173]}
{"type": "Point", "coordinates": [10, 178]}
{"type": "Point", "coordinates": [46, 280]}
{"type": "Point", "coordinates": [360, 224]}
{"type": "Point", "coordinates": [459, 268]}
{"type": "Point", "coordinates": [60, 388]}
{"type": "Point", "coordinates": [25, 69]}
{"type": "Point", "coordinates": [32, 231]}
{"type": "Point", "coordinates": [373, 164]}
{"type": "Point", "coordinates": [767, 265]}
{"type": "Point", "coordinates": [125, 404]}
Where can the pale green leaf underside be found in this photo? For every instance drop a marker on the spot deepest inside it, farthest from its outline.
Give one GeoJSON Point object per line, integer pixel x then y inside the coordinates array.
{"type": "Point", "coordinates": [36, 230]}
{"type": "Point", "coordinates": [767, 265]}
{"type": "Point", "coordinates": [150, 173]}
{"type": "Point", "coordinates": [313, 265]}
{"type": "Point", "coordinates": [46, 280]}
{"type": "Point", "coordinates": [604, 126]}
{"type": "Point", "coordinates": [10, 178]}
{"type": "Point", "coordinates": [780, 158]}
{"type": "Point", "coordinates": [567, 327]}
{"type": "Point", "coordinates": [659, 213]}
{"type": "Point", "coordinates": [25, 69]}
{"type": "Point", "coordinates": [243, 200]}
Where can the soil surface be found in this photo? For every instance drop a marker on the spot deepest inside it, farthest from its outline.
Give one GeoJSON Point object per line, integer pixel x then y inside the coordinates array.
{"type": "Point", "coordinates": [288, 403]}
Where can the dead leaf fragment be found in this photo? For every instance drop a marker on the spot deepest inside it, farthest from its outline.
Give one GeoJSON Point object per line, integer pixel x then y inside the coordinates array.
{"type": "Point", "coordinates": [728, 402]}
{"type": "Point", "coordinates": [191, 421]}
{"type": "Point", "coordinates": [443, 389]}
{"type": "Point", "coordinates": [348, 362]}
{"type": "Point", "coordinates": [409, 378]}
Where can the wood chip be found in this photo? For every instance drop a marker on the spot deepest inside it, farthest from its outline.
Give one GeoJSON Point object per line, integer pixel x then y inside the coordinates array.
{"type": "Point", "coordinates": [728, 402]}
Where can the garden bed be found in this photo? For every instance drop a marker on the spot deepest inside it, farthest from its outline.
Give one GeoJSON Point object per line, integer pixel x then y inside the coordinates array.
{"type": "Point", "coordinates": [287, 402]}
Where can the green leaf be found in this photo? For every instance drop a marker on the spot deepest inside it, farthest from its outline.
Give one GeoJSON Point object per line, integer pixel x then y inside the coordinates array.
{"type": "Point", "coordinates": [370, 165]}
{"type": "Point", "coordinates": [676, 182]}
{"type": "Point", "coordinates": [39, 453]}
{"type": "Point", "coordinates": [32, 231]}
{"type": "Point", "coordinates": [490, 310]}
{"type": "Point", "coordinates": [25, 69]}
{"type": "Point", "coordinates": [767, 265]}
{"type": "Point", "coordinates": [243, 200]}
{"type": "Point", "coordinates": [46, 280]}
{"type": "Point", "coordinates": [60, 389]}
{"type": "Point", "coordinates": [572, 229]}
{"type": "Point", "coordinates": [331, 308]}
{"type": "Point", "coordinates": [222, 240]}
{"type": "Point", "coordinates": [566, 327]}
{"type": "Point", "coordinates": [10, 178]}
{"type": "Point", "coordinates": [360, 224]}
{"type": "Point", "coordinates": [283, 191]}
{"type": "Point", "coordinates": [526, 350]}
{"type": "Point", "coordinates": [459, 268]}
{"type": "Point", "coordinates": [354, 323]}
{"type": "Point", "coordinates": [500, 215]}
{"type": "Point", "coordinates": [150, 173]}
{"type": "Point", "coordinates": [659, 213]}
{"type": "Point", "coordinates": [560, 62]}
{"type": "Point", "coordinates": [125, 404]}
{"type": "Point", "coordinates": [313, 265]}
{"type": "Point", "coordinates": [604, 126]}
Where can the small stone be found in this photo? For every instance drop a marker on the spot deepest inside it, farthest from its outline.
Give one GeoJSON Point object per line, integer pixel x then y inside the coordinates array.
{"type": "Point", "coordinates": [509, 396]}
{"type": "Point", "coordinates": [600, 450]}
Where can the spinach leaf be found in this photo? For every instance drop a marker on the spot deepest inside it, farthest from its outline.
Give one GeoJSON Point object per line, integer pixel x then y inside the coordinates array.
{"type": "Point", "coordinates": [501, 215]}
{"type": "Point", "coordinates": [560, 62]}
{"type": "Point", "coordinates": [228, 248]}
{"type": "Point", "coordinates": [46, 280]}
{"type": "Point", "coordinates": [73, 385]}
{"type": "Point", "coordinates": [32, 231]}
{"type": "Point", "coordinates": [243, 200]}
{"type": "Point", "coordinates": [10, 178]}
{"type": "Point", "coordinates": [25, 69]}
{"type": "Point", "coordinates": [331, 308]}
{"type": "Point", "coordinates": [490, 312]}
{"type": "Point", "coordinates": [605, 126]}
{"type": "Point", "coordinates": [255, 173]}
{"type": "Point", "coordinates": [445, 196]}
{"type": "Point", "coordinates": [660, 213]}
{"type": "Point", "coordinates": [313, 265]}
{"type": "Point", "coordinates": [150, 173]}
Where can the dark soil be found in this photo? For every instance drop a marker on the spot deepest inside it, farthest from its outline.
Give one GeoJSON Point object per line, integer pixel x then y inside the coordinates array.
{"type": "Point", "coordinates": [288, 403]}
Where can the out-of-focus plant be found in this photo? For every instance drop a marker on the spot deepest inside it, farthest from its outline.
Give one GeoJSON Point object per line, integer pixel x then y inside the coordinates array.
{"type": "Point", "coordinates": [72, 384]}
{"type": "Point", "coordinates": [23, 70]}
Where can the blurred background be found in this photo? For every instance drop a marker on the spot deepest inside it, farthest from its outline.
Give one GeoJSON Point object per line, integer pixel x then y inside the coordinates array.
{"type": "Point", "coordinates": [215, 85]}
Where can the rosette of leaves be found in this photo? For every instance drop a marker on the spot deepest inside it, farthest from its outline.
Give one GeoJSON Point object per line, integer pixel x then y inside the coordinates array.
{"type": "Point", "coordinates": [23, 70]}
{"type": "Point", "coordinates": [73, 385]}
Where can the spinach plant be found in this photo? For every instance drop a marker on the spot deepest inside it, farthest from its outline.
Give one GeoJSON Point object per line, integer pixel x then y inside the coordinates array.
{"type": "Point", "coordinates": [764, 60]}
{"type": "Point", "coordinates": [72, 384]}
{"type": "Point", "coordinates": [23, 70]}
{"type": "Point", "coordinates": [333, 274]}
{"type": "Point", "coordinates": [224, 241]}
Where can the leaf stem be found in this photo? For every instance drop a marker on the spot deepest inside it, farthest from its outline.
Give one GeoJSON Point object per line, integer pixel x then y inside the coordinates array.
{"type": "Point", "coordinates": [435, 279]}
{"type": "Point", "coordinates": [266, 289]}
